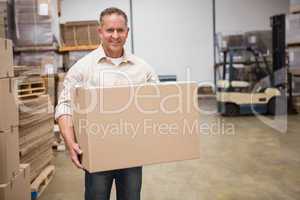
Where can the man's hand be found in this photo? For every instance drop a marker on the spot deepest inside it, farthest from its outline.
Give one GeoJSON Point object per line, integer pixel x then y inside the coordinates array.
{"type": "Point", "coordinates": [67, 131]}
{"type": "Point", "coordinates": [75, 154]}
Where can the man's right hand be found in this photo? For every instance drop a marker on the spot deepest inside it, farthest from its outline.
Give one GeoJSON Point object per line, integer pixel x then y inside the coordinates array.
{"type": "Point", "coordinates": [75, 153]}
{"type": "Point", "coordinates": [66, 128]}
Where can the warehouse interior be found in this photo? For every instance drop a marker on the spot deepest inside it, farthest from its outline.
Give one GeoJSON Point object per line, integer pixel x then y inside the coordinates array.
{"type": "Point", "coordinates": [238, 60]}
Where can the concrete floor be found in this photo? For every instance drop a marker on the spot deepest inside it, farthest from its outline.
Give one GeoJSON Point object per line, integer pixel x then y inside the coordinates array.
{"type": "Point", "coordinates": [247, 160]}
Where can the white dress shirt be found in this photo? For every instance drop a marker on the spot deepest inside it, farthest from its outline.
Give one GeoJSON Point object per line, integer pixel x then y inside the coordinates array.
{"type": "Point", "coordinates": [96, 69]}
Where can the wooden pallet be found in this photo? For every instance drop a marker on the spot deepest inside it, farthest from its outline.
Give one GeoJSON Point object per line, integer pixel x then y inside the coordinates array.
{"type": "Point", "coordinates": [27, 70]}
{"type": "Point", "coordinates": [39, 185]}
{"type": "Point", "coordinates": [78, 48]}
{"type": "Point", "coordinates": [293, 45]}
{"type": "Point", "coordinates": [294, 9]}
{"type": "Point", "coordinates": [30, 89]}
{"type": "Point", "coordinates": [53, 47]}
{"type": "Point", "coordinates": [295, 71]}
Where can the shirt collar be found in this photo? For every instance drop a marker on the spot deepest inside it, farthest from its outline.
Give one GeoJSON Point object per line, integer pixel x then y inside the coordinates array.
{"type": "Point", "coordinates": [127, 58]}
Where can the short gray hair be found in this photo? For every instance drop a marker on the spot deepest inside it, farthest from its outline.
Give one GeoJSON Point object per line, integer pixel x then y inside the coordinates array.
{"type": "Point", "coordinates": [110, 11]}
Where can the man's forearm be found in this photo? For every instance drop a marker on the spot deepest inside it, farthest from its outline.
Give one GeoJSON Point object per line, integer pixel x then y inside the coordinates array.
{"type": "Point", "coordinates": [67, 131]}
{"type": "Point", "coordinates": [66, 128]}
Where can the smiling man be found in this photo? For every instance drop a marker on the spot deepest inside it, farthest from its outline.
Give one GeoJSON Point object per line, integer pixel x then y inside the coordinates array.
{"type": "Point", "coordinates": [108, 65]}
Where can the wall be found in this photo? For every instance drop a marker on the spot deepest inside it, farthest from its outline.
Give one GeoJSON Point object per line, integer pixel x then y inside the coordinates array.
{"type": "Point", "coordinates": [233, 16]}
{"type": "Point", "coordinates": [174, 35]}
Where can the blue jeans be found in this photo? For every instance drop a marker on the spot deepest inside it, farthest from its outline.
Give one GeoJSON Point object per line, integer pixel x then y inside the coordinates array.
{"type": "Point", "coordinates": [128, 184]}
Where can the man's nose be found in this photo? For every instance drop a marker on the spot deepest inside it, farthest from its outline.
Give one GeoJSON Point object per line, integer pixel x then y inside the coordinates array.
{"type": "Point", "coordinates": [115, 34]}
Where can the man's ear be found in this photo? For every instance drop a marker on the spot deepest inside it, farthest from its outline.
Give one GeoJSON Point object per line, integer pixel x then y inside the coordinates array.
{"type": "Point", "coordinates": [99, 31]}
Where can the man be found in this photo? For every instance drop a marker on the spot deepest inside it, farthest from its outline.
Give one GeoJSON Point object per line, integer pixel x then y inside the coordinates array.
{"type": "Point", "coordinates": [108, 65]}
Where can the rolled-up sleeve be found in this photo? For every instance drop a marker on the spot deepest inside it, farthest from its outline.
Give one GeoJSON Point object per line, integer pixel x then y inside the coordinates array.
{"type": "Point", "coordinates": [152, 77]}
{"type": "Point", "coordinates": [64, 106]}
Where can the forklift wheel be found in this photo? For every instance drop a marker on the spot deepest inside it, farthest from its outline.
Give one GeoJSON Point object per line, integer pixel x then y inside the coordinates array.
{"type": "Point", "coordinates": [231, 109]}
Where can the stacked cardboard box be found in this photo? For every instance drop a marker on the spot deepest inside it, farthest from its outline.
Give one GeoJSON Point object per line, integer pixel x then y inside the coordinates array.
{"type": "Point", "coordinates": [6, 57]}
{"type": "Point", "coordinates": [294, 6]}
{"type": "Point", "coordinates": [50, 87]}
{"type": "Point", "coordinates": [6, 19]}
{"type": "Point", "coordinates": [297, 103]}
{"type": "Point", "coordinates": [293, 29]}
{"type": "Point", "coordinates": [14, 182]}
{"type": "Point", "coordinates": [72, 57]}
{"type": "Point", "coordinates": [19, 186]}
{"type": "Point", "coordinates": [49, 61]}
{"type": "Point", "coordinates": [294, 59]}
{"type": "Point", "coordinates": [2, 27]}
{"type": "Point", "coordinates": [260, 40]}
{"type": "Point", "coordinates": [293, 41]}
{"type": "Point", "coordinates": [80, 33]}
{"type": "Point", "coordinates": [35, 24]}
{"type": "Point", "coordinates": [36, 133]}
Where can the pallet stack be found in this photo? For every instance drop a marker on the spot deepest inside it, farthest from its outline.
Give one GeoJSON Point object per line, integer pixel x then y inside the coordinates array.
{"type": "Point", "coordinates": [70, 58]}
{"type": "Point", "coordinates": [36, 133]}
{"type": "Point", "coordinates": [37, 30]}
{"type": "Point", "coordinates": [293, 45]}
{"type": "Point", "coordinates": [14, 178]}
{"type": "Point", "coordinates": [35, 23]}
{"type": "Point", "coordinates": [36, 123]}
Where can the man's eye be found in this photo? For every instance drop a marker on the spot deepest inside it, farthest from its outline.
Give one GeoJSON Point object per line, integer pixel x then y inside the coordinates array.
{"type": "Point", "coordinates": [110, 30]}
{"type": "Point", "coordinates": [120, 30]}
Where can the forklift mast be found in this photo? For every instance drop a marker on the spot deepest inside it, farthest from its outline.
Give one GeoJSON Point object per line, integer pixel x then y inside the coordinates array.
{"type": "Point", "coordinates": [278, 42]}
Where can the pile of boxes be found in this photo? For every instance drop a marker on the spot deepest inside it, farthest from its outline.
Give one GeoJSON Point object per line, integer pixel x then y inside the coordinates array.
{"type": "Point", "coordinates": [294, 6]}
{"type": "Point", "coordinates": [293, 43]}
{"type": "Point", "coordinates": [35, 23]}
{"type": "Point", "coordinates": [70, 58]}
{"type": "Point", "coordinates": [14, 178]}
{"type": "Point", "coordinates": [6, 19]}
{"type": "Point", "coordinates": [36, 133]}
{"type": "Point", "coordinates": [48, 60]}
{"type": "Point", "coordinates": [260, 39]}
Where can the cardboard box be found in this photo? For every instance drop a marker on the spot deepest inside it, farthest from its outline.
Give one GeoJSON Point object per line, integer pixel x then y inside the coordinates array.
{"type": "Point", "coordinates": [34, 34]}
{"type": "Point", "coordinates": [6, 13]}
{"type": "Point", "coordinates": [72, 57]}
{"type": "Point", "coordinates": [2, 27]}
{"type": "Point", "coordinates": [8, 104]}
{"type": "Point", "coordinates": [294, 57]}
{"type": "Point", "coordinates": [9, 155]}
{"type": "Point", "coordinates": [19, 187]}
{"type": "Point", "coordinates": [294, 6]}
{"type": "Point", "coordinates": [156, 123]}
{"type": "Point", "coordinates": [6, 58]}
{"type": "Point", "coordinates": [293, 29]}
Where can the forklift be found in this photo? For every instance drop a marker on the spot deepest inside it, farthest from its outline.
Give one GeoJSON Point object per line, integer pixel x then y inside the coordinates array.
{"type": "Point", "coordinates": [246, 85]}
{"type": "Point", "coordinates": [270, 92]}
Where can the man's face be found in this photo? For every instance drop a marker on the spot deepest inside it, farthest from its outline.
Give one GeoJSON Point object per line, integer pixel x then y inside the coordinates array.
{"type": "Point", "coordinates": [113, 33]}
